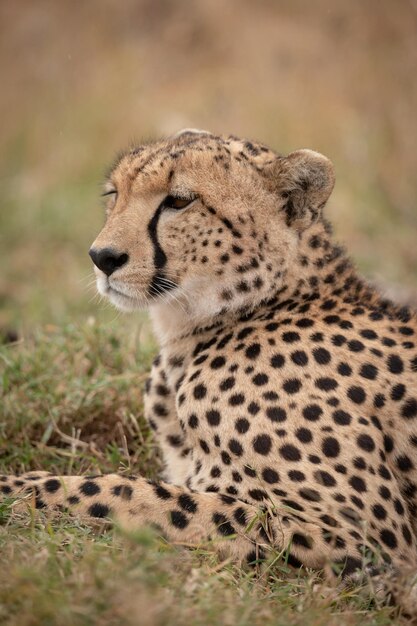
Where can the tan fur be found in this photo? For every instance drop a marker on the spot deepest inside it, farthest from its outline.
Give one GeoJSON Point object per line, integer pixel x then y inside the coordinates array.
{"type": "Point", "coordinates": [285, 390]}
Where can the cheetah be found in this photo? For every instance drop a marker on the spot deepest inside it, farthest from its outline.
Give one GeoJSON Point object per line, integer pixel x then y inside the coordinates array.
{"type": "Point", "coordinates": [284, 395]}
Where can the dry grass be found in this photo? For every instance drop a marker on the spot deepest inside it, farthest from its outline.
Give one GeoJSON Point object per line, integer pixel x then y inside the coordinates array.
{"type": "Point", "coordinates": [79, 81]}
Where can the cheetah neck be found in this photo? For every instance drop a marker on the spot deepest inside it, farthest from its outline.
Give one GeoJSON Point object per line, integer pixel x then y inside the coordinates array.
{"type": "Point", "coordinates": [319, 269]}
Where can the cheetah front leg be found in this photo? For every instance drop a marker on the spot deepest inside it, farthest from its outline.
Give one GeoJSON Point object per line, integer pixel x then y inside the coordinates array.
{"type": "Point", "coordinates": [181, 516]}
{"type": "Point", "coordinates": [161, 414]}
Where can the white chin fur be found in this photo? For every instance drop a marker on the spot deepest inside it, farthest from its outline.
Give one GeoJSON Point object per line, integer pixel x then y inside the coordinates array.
{"type": "Point", "coordinates": [121, 301]}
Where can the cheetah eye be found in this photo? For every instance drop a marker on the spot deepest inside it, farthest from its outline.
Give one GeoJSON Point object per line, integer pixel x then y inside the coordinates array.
{"type": "Point", "coordinates": [111, 192]}
{"type": "Point", "coordinates": [177, 203]}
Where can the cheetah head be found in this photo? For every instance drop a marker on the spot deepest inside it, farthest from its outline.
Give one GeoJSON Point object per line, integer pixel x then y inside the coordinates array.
{"type": "Point", "coordinates": [205, 223]}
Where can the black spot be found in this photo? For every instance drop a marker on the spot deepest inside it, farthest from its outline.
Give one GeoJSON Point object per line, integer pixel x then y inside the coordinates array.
{"type": "Point", "coordinates": [384, 492]}
{"type": "Point", "coordinates": [249, 471]}
{"type": "Point", "coordinates": [224, 527]}
{"type": "Point", "coordinates": [299, 358]}
{"type": "Point", "coordinates": [398, 392]}
{"type": "Point", "coordinates": [236, 399]}
{"type": "Point", "coordinates": [355, 346]}
{"type": "Point", "coordinates": [290, 337]}
{"type": "Point", "coordinates": [160, 410]}
{"type": "Point", "coordinates": [322, 356]}
{"type": "Point", "coordinates": [388, 538]}
{"type": "Point", "coordinates": [277, 361]}
{"type": "Point", "coordinates": [296, 476]}
{"type": "Point", "coordinates": [379, 511]}
{"type": "Point", "coordinates": [359, 463]}
{"type": "Point", "coordinates": [395, 364]}
{"type": "Point", "coordinates": [235, 447]}
{"type": "Point", "coordinates": [292, 386]}
{"type": "Point", "coordinates": [407, 534]}
{"type": "Point", "coordinates": [90, 488]}
{"type": "Point", "coordinates": [293, 561]}
{"type": "Point", "coordinates": [98, 510]}
{"type": "Point", "coordinates": [242, 425]}
{"type": "Point", "coordinates": [379, 401]}
{"type": "Point", "coordinates": [330, 447]}
{"type": "Point", "coordinates": [226, 457]}
{"type": "Point", "coordinates": [213, 417]}
{"type": "Point", "coordinates": [366, 443]}
{"type": "Point", "coordinates": [290, 453]}
{"type": "Point", "coordinates": [204, 446]}
{"type": "Point", "coordinates": [227, 383]}
{"type": "Point", "coordinates": [304, 435]}
{"type": "Point", "coordinates": [254, 408]}
{"type": "Point", "coordinates": [312, 412]}
{"type": "Point", "coordinates": [217, 362]}
{"type": "Point", "coordinates": [257, 494]}
{"type": "Point", "coordinates": [227, 499]}
{"type": "Point", "coordinates": [310, 494]}
{"type": "Point", "coordinates": [304, 322]}
{"type": "Point", "coordinates": [193, 421]}
{"type": "Point", "coordinates": [347, 566]}
{"type": "Point", "coordinates": [240, 516]}
{"type": "Point", "coordinates": [406, 330]}
{"type": "Point", "coordinates": [223, 341]}
{"type": "Point", "coordinates": [301, 540]}
{"type": "Point", "coordinates": [124, 491]}
{"type": "Point", "coordinates": [215, 472]}
{"type": "Point", "coordinates": [262, 444]}
{"type": "Point", "coordinates": [242, 334]}
{"type": "Point", "coordinates": [409, 408]}
{"type": "Point", "coordinates": [162, 493]}
{"type": "Point", "coordinates": [52, 485]}
{"type": "Point", "coordinates": [187, 503]}
{"type": "Point", "coordinates": [260, 379]}
{"type": "Point", "coordinates": [338, 340]}
{"type": "Point", "coordinates": [404, 463]}
{"type": "Point", "coordinates": [344, 369]}
{"type": "Point", "coordinates": [276, 414]}
{"type": "Point", "coordinates": [270, 476]}
{"type": "Point", "coordinates": [178, 519]}
{"type": "Point", "coordinates": [357, 483]}
{"type": "Point", "coordinates": [324, 478]}
{"type": "Point", "coordinates": [253, 351]}
{"type": "Point", "coordinates": [388, 443]}
{"type": "Point", "coordinates": [368, 371]}
{"type": "Point", "coordinates": [326, 384]}
{"type": "Point", "coordinates": [199, 392]}
{"type": "Point", "coordinates": [342, 418]}
{"type": "Point", "coordinates": [356, 394]}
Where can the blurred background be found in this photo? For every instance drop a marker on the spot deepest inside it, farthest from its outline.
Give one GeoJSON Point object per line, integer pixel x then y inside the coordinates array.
{"type": "Point", "coordinates": [80, 80]}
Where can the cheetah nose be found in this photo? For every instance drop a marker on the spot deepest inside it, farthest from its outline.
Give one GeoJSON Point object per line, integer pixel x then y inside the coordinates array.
{"type": "Point", "coordinates": [108, 260]}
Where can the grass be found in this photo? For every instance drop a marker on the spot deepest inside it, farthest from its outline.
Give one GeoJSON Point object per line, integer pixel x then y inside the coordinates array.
{"type": "Point", "coordinates": [71, 402]}
{"type": "Point", "coordinates": [78, 86]}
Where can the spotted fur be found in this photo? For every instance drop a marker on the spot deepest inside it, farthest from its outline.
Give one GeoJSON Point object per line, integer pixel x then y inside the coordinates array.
{"type": "Point", "coordinates": [284, 396]}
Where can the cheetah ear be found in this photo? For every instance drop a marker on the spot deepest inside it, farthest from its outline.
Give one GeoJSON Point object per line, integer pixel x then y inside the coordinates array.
{"type": "Point", "coordinates": [305, 180]}
{"type": "Point", "coordinates": [190, 131]}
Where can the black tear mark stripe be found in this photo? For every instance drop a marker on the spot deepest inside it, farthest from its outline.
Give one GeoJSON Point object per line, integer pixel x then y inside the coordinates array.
{"type": "Point", "coordinates": [159, 256]}
{"type": "Point", "coordinates": [158, 284]}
